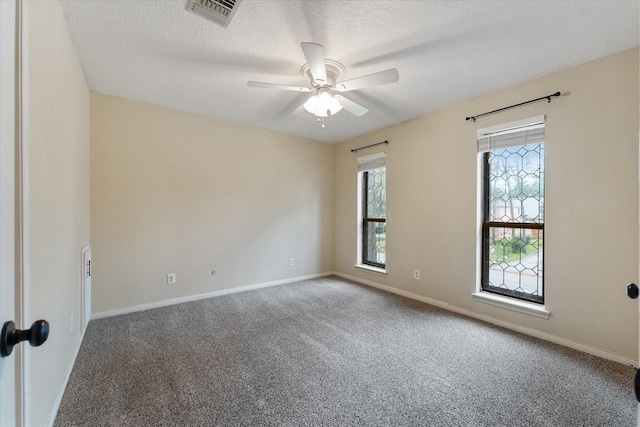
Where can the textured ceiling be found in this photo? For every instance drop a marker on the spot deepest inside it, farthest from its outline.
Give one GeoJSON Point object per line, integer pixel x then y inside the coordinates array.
{"type": "Point", "coordinates": [445, 51]}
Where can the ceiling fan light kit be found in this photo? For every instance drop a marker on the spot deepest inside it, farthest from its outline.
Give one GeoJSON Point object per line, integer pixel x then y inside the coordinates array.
{"type": "Point", "coordinates": [322, 104]}
{"type": "Point", "coordinates": [323, 75]}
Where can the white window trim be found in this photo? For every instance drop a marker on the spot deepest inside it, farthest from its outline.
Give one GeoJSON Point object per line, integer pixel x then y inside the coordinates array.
{"type": "Point", "coordinates": [371, 269]}
{"type": "Point", "coordinates": [366, 163]}
{"type": "Point", "coordinates": [509, 303]}
{"type": "Point", "coordinates": [512, 304]}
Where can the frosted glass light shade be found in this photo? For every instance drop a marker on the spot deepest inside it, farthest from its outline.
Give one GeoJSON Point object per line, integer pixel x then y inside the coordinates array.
{"type": "Point", "coordinates": [322, 104]}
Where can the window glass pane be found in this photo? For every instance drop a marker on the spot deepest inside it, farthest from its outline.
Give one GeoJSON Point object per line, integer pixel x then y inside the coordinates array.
{"type": "Point", "coordinates": [375, 243]}
{"type": "Point", "coordinates": [515, 262]}
{"type": "Point", "coordinates": [376, 193]}
{"type": "Point", "coordinates": [516, 184]}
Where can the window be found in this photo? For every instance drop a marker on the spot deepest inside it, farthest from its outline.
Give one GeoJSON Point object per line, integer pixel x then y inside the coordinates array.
{"type": "Point", "coordinates": [373, 207]}
{"type": "Point", "coordinates": [513, 212]}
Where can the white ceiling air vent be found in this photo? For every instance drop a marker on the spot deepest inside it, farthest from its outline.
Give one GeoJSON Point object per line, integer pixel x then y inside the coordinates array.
{"type": "Point", "coordinates": [218, 11]}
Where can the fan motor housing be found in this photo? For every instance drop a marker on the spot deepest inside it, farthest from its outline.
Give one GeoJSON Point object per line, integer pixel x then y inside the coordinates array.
{"type": "Point", "coordinates": [335, 72]}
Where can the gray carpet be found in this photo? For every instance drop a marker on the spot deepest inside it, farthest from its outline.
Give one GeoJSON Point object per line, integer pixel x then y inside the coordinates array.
{"type": "Point", "coordinates": [328, 352]}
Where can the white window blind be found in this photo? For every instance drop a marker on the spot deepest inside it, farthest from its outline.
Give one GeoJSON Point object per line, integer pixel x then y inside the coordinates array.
{"type": "Point", "coordinates": [373, 161]}
{"type": "Point", "coordinates": [532, 133]}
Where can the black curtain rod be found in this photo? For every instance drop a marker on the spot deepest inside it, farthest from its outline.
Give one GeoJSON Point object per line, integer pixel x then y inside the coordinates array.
{"type": "Point", "coordinates": [372, 145]}
{"type": "Point", "coordinates": [548, 98]}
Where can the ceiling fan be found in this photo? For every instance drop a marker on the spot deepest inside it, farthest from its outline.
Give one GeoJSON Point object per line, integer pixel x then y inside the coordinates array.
{"type": "Point", "coordinates": [324, 78]}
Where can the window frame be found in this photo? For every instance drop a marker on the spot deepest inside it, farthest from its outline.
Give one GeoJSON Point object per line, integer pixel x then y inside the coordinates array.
{"type": "Point", "coordinates": [487, 226]}
{"type": "Point", "coordinates": [366, 220]}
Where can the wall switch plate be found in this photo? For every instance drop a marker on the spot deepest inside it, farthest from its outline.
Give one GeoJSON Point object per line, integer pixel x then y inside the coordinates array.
{"type": "Point", "coordinates": [291, 262]}
{"type": "Point", "coordinates": [416, 274]}
{"type": "Point", "coordinates": [171, 278]}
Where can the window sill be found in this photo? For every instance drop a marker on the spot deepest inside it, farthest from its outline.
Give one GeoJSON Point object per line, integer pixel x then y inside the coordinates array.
{"type": "Point", "coordinates": [370, 269]}
{"type": "Point", "coordinates": [513, 305]}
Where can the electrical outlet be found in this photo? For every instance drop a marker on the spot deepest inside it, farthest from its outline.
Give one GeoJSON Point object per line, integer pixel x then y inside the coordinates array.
{"type": "Point", "coordinates": [291, 262]}
{"type": "Point", "coordinates": [416, 274]}
{"type": "Point", "coordinates": [171, 278]}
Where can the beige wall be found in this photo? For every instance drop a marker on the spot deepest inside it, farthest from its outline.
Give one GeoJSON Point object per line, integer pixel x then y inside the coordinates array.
{"type": "Point", "coordinates": [173, 192]}
{"type": "Point", "coordinates": [591, 231]}
{"type": "Point", "coordinates": [56, 199]}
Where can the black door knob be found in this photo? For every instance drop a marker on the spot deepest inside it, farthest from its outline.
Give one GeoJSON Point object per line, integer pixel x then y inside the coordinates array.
{"type": "Point", "coordinates": [36, 335]}
{"type": "Point", "coordinates": [632, 290]}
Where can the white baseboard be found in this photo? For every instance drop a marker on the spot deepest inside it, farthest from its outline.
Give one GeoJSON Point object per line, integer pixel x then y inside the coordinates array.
{"type": "Point", "coordinates": [189, 298]}
{"type": "Point", "coordinates": [56, 405]}
{"type": "Point", "coordinates": [528, 331]}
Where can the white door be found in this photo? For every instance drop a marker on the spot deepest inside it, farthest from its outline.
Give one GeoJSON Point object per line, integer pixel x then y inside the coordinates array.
{"type": "Point", "coordinates": [9, 366]}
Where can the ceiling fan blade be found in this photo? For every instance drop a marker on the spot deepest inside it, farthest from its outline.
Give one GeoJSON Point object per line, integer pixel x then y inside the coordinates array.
{"type": "Point", "coordinates": [375, 79]}
{"type": "Point", "coordinates": [277, 86]}
{"type": "Point", "coordinates": [314, 53]}
{"type": "Point", "coordinates": [352, 107]}
{"type": "Point", "coordinates": [296, 103]}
